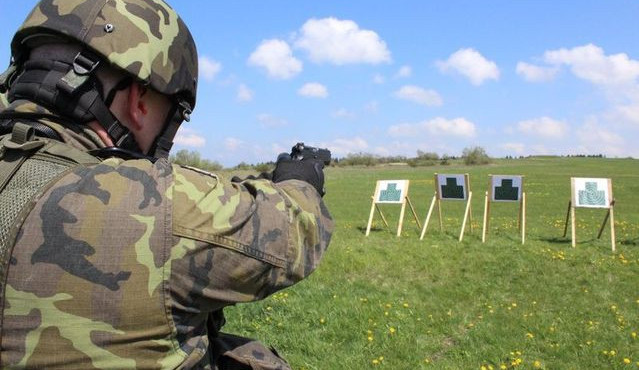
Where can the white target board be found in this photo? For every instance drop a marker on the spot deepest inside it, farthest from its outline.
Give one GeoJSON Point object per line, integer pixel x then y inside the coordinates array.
{"type": "Point", "coordinates": [391, 191]}
{"type": "Point", "coordinates": [591, 192]}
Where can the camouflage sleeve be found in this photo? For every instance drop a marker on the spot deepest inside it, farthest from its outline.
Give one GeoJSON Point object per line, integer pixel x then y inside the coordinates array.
{"type": "Point", "coordinates": [247, 239]}
{"type": "Point", "coordinates": [3, 101]}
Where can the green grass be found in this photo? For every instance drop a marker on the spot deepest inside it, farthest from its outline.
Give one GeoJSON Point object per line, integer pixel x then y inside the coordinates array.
{"type": "Point", "coordinates": [401, 303]}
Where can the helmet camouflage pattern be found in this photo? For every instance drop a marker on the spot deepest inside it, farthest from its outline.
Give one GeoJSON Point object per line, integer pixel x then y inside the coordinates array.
{"type": "Point", "coordinates": [145, 38]}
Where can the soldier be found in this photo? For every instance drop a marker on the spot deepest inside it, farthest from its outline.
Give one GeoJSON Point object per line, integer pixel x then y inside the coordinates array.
{"type": "Point", "coordinates": [111, 257]}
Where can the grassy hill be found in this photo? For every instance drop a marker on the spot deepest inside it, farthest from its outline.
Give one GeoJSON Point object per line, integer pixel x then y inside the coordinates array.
{"type": "Point", "coordinates": [402, 303]}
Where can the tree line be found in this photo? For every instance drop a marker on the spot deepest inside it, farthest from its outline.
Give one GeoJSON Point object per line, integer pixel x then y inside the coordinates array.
{"type": "Point", "coordinates": [470, 156]}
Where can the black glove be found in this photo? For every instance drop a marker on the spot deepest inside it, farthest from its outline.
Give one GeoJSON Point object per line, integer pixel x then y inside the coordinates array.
{"type": "Point", "coordinates": [308, 170]}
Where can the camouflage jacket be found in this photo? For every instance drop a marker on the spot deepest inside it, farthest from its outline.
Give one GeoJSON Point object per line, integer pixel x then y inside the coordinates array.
{"type": "Point", "coordinates": [117, 264]}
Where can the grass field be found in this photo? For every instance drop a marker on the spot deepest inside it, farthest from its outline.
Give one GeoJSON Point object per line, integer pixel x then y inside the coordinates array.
{"type": "Point", "coordinates": [401, 303]}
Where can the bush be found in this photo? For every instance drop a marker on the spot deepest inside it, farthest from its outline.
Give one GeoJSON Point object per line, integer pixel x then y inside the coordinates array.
{"type": "Point", "coordinates": [192, 158]}
{"type": "Point", "coordinates": [359, 159]}
{"type": "Point", "coordinates": [475, 155]}
{"type": "Point", "coordinates": [264, 167]}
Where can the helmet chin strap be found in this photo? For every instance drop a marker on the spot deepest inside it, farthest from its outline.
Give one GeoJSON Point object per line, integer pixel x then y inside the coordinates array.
{"type": "Point", "coordinates": [72, 90]}
{"type": "Point", "coordinates": [181, 111]}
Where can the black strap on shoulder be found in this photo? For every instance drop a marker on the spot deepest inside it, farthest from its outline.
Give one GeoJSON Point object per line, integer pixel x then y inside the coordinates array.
{"type": "Point", "coordinates": [40, 129]}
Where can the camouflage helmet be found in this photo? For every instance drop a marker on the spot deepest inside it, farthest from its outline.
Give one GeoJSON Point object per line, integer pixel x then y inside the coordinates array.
{"type": "Point", "coordinates": [145, 38]}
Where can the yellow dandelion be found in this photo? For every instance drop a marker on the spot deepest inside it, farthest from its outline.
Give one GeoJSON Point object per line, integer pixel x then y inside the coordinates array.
{"type": "Point", "coordinates": [537, 364]}
{"type": "Point", "coordinates": [626, 361]}
{"type": "Point", "coordinates": [385, 313]}
{"type": "Point", "coordinates": [530, 335]}
{"type": "Point", "coordinates": [391, 330]}
{"type": "Point", "coordinates": [322, 320]}
{"type": "Point", "coordinates": [503, 367]}
{"type": "Point", "coordinates": [381, 358]}
{"type": "Point", "coordinates": [405, 305]}
{"type": "Point", "coordinates": [370, 338]}
{"type": "Point", "coordinates": [633, 334]}
{"type": "Point", "coordinates": [375, 362]}
{"type": "Point", "coordinates": [613, 353]}
{"type": "Point", "coordinates": [483, 367]}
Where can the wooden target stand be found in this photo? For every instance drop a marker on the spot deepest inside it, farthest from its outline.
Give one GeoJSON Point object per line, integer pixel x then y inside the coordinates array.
{"type": "Point", "coordinates": [391, 192]}
{"type": "Point", "coordinates": [591, 193]}
{"type": "Point", "coordinates": [505, 188]}
{"type": "Point", "coordinates": [455, 188]}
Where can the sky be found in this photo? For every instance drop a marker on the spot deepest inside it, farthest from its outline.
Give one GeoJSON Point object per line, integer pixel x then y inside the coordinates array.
{"type": "Point", "coordinates": [516, 77]}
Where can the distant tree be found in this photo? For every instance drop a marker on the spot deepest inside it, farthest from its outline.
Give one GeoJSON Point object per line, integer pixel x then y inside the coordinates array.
{"type": "Point", "coordinates": [359, 159]}
{"type": "Point", "coordinates": [424, 159]}
{"type": "Point", "coordinates": [192, 158]}
{"type": "Point", "coordinates": [427, 155]}
{"type": "Point", "coordinates": [475, 155]}
{"type": "Point", "coordinates": [445, 161]}
{"type": "Point", "coordinates": [242, 166]}
{"type": "Point", "coordinates": [264, 167]}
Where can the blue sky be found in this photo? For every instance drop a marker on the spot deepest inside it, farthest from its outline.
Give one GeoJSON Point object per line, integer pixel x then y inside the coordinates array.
{"type": "Point", "coordinates": [390, 78]}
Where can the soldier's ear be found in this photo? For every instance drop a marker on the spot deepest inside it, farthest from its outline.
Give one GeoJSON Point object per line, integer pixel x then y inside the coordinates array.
{"type": "Point", "coordinates": [137, 107]}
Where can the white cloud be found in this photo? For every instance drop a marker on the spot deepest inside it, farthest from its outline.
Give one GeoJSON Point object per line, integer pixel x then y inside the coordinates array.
{"type": "Point", "coordinates": [190, 138]}
{"type": "Point", "coordinates": [208, 68]}
{"type": "Point", "coordinates": [342, 147]}
{"type": "Point", "coordinates": [276, 57]}
{"type": "Point", "coordinates": [339, 42]}
{"type": "Point", "coordinates": [590, 63]}
{"type": "Point", "coordinates": [517, 148]}
{"type": "Point", "coordinates": [269, 121]}
{"type": "Point", "coordinates": [404, 71]}
{"type": "Point", "coordinates": [544, 127]}
{"type": "Point", "coordinates": [232, 144]}
{"type": "Point", "coordinates": [313, 90]}
{"type": "Point", "coordinates": [596, 139]}
{"type": "Point", "coordinates": [343, 113]}
{"type": "Point", "coordinates": [533, 73]}
{"type": "Point", "coordinates": [437, 126]}
{"type": "Point", "coordinates": [419, 95]}
{"type": "Point", "coordinates": [471, 64]}
{"type": "Point", "coordinates": [244, 93]}
{"type": "Point", "coordinates": [627, 114]}
{"type": "Point", "coordinates": [372, 106]}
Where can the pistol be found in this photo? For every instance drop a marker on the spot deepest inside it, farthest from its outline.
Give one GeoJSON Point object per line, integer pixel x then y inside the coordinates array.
{"type": "Point", "coordinates": [301, 151]}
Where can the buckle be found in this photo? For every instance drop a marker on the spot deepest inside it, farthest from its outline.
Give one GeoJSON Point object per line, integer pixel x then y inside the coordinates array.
{"type": "Point", "coordinates": [84, 65]}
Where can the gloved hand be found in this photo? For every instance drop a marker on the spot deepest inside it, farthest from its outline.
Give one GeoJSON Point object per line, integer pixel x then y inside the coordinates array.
{"type": "Point", "coordinates": [308, 170]}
